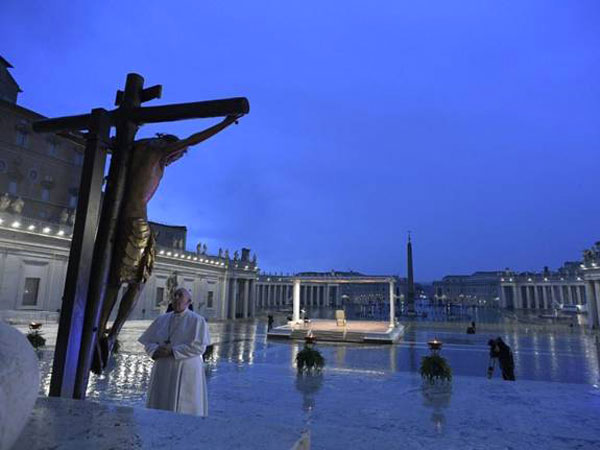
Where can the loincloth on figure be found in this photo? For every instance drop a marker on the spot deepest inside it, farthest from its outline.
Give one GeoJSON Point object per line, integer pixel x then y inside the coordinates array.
{"type": "Point", "coordinates": [134, 251]}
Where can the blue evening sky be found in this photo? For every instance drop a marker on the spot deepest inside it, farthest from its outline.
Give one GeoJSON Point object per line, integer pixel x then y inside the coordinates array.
{"type": "Point", "coordinates": [474, 124]}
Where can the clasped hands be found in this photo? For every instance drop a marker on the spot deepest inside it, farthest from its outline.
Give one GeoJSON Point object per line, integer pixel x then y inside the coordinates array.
{"type": "Point", "coordinates": [163, 351]}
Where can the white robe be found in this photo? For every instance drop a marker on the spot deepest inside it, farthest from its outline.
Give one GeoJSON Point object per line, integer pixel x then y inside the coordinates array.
{"type": "Point", "coordinates": [178, 382]}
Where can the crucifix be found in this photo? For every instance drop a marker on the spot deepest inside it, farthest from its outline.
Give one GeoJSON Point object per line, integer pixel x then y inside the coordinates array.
{"type": "Point", "coordinates": [112, 242]}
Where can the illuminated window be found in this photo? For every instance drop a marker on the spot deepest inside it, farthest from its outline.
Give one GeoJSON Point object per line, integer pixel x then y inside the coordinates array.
{"type": "Point", "coordinates": [209, 299]}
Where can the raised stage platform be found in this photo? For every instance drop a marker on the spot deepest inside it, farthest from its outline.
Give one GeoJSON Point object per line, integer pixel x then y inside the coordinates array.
{"type": "Point", "coordinates": [328, 330]}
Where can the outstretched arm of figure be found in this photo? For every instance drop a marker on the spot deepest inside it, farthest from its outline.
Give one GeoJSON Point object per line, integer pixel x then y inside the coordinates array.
{"type": "Point", "coordinates": [176, 149]}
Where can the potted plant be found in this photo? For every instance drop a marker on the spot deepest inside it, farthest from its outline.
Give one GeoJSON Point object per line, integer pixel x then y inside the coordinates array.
{"type": "Point", "coordinates": [437, 376]}
{"type": "Point", "coordinates": [309, 358]}
{"type": "Point", "coordinates": [35, 335]}
{"type": "Point", "coordinates": [435, 369]}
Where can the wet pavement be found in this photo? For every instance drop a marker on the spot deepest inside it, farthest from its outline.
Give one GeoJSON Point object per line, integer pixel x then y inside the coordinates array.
{"type": "Point", "coordinates": [373, 394]}
{"type": "Point", "coordinates": [564, 356]}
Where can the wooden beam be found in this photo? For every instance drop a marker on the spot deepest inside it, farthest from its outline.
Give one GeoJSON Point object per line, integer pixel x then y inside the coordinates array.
{"type": "Point", "coordinates": [72, 123]}
{"type": "Point", "coordinates": [151, 114]}
{"type": "Point", "coordinates": [195, 110]}
{"type": "Point", "coordinates": [107, 229]}
{"type": "Point", "coordinates": [68, 341]}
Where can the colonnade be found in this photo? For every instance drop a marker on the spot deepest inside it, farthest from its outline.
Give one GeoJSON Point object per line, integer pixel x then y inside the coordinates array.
{"type": "Point", "coordinates": [545, 295]}
{"type": "Point", "coordinates": [281, 294]}
{"type": "Point", "coordinates": [238, 298]}
{"type": "Point", "coordinates": [592, 287]}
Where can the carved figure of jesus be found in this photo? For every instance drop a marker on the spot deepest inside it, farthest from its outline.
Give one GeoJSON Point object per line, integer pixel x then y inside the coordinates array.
{"type": "Point", "coordinates": [134, 251]}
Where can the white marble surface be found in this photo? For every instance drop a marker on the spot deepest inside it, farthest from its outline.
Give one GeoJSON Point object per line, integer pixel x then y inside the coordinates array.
{"type": "Point", "coordinates": [75, 425]}
{"type": "Point", "coordinates": [365, 398]}
{"type": "Point", "coordinates": [19, 383]}
{"type": "Point", "coordinates": [340, 411]}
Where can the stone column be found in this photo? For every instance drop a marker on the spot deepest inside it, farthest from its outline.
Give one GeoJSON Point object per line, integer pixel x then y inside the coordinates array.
{"type": "Point", "coordinates": [268, 294]}
{"type": "Point", "coordinates": [296, 308]}
{"type": "Point", "coordinates": [516, 297]}
{"type": "Point", "coordinates": [252, 298]}
{"type": "Point", "coordinates": [224, 297]}
{"type": "Point", "coordinates": [536, 296]}
{"type": "Point", "coordinates": [593, 297]}
{"type": "Point", "coordinates": [246, 298]}
{"type": "Point", "coordinates": [234, 298]}
{"type": "Point", "coordinates": [503, 303]}
{"type": "Point", "coordinates": [310, 295]}
{"type": "Point", "coordinates": [392, 305]}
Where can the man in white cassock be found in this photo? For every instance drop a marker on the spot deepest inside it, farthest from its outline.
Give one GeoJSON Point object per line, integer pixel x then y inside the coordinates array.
{"type": "Point", "coordinates": [176, 342]}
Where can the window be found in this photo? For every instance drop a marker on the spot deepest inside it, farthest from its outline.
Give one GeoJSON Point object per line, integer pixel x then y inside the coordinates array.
{"type": "Point", "coordinates": [209, 299]}
{"type": "Point", "coordinates": [2, 166]}
{"type": "Point", "coordinates": [72, 201]}
{"type": "Point", "coordinates": [78, 158]}
{"type": "Point", "coordinates": [52, 148]}
{"type": "Point", "coordinates": [21, 140]}
{"type": "Point", "coordinates": [160, 295]}
{"type": "Point", "coordinates": [30, 293]}
{"type": "Point", "coordinates": [12, 187]}
{"type": "Point", "coordinates": [45, 194]}
{"type": "Point", "coordinates": [33, 175]}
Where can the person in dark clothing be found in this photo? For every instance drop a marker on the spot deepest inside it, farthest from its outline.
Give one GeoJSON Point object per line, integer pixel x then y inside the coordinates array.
{"type": "Point", "coordinates": [494, 353]}
{"type": "Point", "coordinates": [270, 322]}
{"type": "Point", "coordinates": [505, 358]}
{"type": "Point", "coordinates": [471, 329]}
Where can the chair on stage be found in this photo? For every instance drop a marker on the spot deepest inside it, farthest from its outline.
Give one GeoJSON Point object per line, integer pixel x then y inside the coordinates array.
{"type": "Point", "coordinates": [340, 317]}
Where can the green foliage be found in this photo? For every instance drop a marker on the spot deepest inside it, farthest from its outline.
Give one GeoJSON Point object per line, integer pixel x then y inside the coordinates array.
{"type": "Point", "coordinates": [36, 339]}
{"type": "Point", "coordinates": [435, 368]}
{"type": "Point", "coordinates": [309, 359]}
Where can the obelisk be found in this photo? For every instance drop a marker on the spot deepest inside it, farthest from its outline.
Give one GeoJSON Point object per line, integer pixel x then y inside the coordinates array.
{"type": "Point", "coordinates": [410, 288]}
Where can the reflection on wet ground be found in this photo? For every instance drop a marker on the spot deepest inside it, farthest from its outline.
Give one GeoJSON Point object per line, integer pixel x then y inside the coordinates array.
{"type": "Point", "coordinates": [568, 356]}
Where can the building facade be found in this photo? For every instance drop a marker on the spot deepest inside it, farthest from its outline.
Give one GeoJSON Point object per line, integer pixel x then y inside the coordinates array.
{"type": "Point", "coordinates": [516, 290]}
{"type": "Point", "coordinates": [475, 289]}
{"type": "Point", "coordinates": [39, 172]}
{"type": "Point", "coordinates": [590, 268]}
{"type": "Point", "coordinates": [543, 290]}
{"type": "Point", "coordinates": [33, 266]}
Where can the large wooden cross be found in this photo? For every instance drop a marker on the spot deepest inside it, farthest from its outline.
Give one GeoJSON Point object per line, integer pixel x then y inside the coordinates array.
{"type": "Point", "coordinates": [96, 219]}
